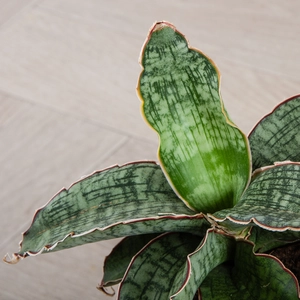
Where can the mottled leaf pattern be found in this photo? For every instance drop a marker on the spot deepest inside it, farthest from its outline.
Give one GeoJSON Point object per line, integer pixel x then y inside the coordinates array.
{"type": "Point", "coordinates": [154, 268]}
{"type": "Point", "coordinates": [108, 204]}
{"type": "Point", "coordinates": [272, 200]}
{"type": "Point", "coordinates": [277, 136]}
{"type": "Point", "coordinates": [215, 249]}
{"type": "Point", "coordinates": [117, 261]}
{"type": "Point", "coordinates": [204, 155]}
{"type": "Point", "coordinates": [196, 224]}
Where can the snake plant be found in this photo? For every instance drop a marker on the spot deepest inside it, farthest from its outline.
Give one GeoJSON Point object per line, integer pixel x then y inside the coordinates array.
{"type": "Point", "coordinates": [206, 220]}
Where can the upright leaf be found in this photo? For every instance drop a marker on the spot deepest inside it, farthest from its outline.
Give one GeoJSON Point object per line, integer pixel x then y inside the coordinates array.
{"type": "Point", "coordinates": [119, 201]}
{"type": "Point", "coordinates": [203, 154]}
{"type": "Point", "coordinates": [277, 136]}
{"type": "Point", "coordinates": [214, 249]}
{"type": "Point", "coordinates": [250, 276]}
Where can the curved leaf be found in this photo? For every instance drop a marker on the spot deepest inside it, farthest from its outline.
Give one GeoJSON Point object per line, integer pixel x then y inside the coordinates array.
{"type": "Point", "coordinates": [263, 275]}
{"type": "Point", "coordinates": [266, 240]}
{"type": "Point", "coordinates": [272, 201]}
{"type": "Point", "coordinates": [195, 224]}
{"type": "Point", "coordinates": [219, 285]}
{"type": "Point", "coordinates": [289, 255]}
{"type": "Point", "coordinates": [215, 249]}
{"type": "Point", "coordinates": [276, 137]}
{"type": "Point", "coordinates": [153, 270]}
{"type": "Point", "coordinates": [119, 201]}
{"type": "Point", "coordinates": [250, 276]}
{"type": "Point", "coordinates": [204, 155]}
{"type": "Point", "coordinates": [116, 263]}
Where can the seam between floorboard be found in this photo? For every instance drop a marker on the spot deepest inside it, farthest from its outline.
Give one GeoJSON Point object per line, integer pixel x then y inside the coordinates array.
{"type": "Point", "coordinates": [77, 117]}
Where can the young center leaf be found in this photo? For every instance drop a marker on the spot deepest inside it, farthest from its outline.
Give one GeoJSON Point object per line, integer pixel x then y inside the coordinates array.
{"type": "Point", "coordinates": [203, 154]}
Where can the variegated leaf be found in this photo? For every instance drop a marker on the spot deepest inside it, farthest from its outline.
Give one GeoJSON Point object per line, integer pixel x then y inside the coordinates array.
{"type": "Point", "coordinates": [262, 275]}
{"type": "Point", "coordinates": [116, 263]}
{"type": "Point", "coordinates": [272, 201]}
{"type": "Point", "coordinates": [266, 240]}
{"type": "Point", "coordinates": [204, 155]}
{"type": "Point", "coordinates": [250, 276]}
{"type": "Point", "coordinates": [214, 249]}
{"type": "Point", "coordinates": [277, 136]}
{"type": "Point", "coordinates": [118, 201]}
{"type": "Point", "coordinates": [153, 270]}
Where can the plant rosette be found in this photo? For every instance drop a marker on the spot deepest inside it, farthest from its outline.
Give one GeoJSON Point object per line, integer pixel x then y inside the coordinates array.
{"type": "Point", "coordinates": [213, 218]}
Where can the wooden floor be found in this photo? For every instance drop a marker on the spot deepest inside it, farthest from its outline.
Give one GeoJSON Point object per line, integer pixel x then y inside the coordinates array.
{"type": "Point", "coordinates": [68, 105]}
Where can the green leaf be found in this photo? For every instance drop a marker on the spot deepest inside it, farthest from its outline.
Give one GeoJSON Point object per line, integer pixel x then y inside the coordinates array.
{"type": "Point", "coordinates": [262, 275]}
{"type": "Point", "coordinates": [250, 276]}
{"type": "Point", "coordinates": [276, 137]}
{"type": "Point", "coordinates": [196, 224]}
{"type": "Point", "coordinates": [116, 263]}
{"type": "Point", "coordinates": [272, 201]}
{"type": "Point", "coordinates": [219, 285]}
{"type": "Point", "coordinates": [215, 249]}
{"type": "Point", "coordinates": [289, 255]}
{"type": "Point", "coordinates": [266, 240]}
{"type": "Point", "coordinates": [204, 155]}
{"type": "Point", "coordinates": [119, 201]}
{"type": "Point", "coordinates": [153, 270]}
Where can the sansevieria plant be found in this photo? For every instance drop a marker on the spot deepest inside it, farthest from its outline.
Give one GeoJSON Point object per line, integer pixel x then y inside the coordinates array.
{"type": "Point", "coordinates": [212, 218]}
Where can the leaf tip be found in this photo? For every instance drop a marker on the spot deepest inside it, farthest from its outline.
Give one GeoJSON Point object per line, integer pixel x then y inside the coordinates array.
{"type": "Point", "coordinates": [101, 287]}
{"type": "Point", "coordinates": [15, 258]}
{"type": "Point", "coordinates": [157, 26]}
{"type": "Point", "coordinates": [160, 25]}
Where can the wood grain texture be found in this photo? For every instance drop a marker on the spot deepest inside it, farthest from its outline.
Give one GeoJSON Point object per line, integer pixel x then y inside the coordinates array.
{"type": "Point", "coordinates": [10, 9]}
{"type": "Point", "coordinates": [68, 105]}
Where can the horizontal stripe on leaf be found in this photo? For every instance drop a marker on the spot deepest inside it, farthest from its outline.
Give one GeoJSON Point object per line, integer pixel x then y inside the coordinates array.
{"type": "Point", "coordinates": [153, 270]}
{"type": "Point", "coordinates": [132, 199]}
